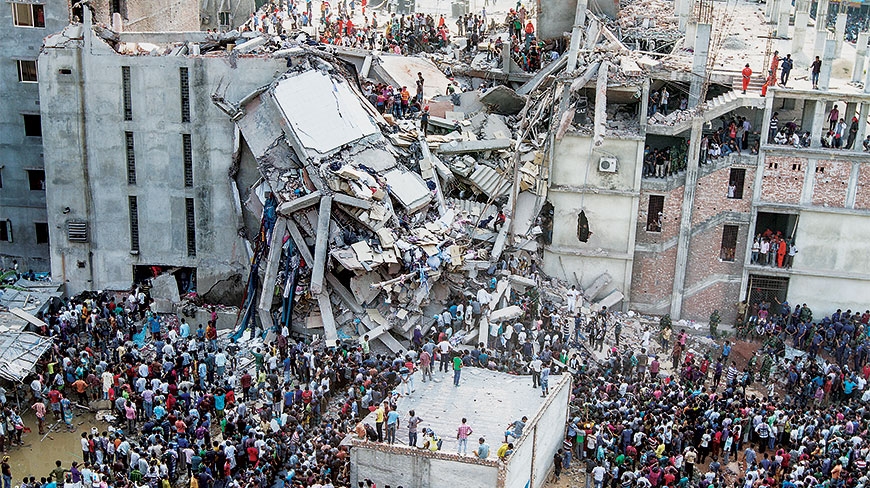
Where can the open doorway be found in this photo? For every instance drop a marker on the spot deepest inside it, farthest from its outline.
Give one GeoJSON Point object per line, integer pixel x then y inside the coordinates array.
{"type": "Point", "coordinates": [769, 224]}
{"type": "Point", "coordinates": [185, 277]}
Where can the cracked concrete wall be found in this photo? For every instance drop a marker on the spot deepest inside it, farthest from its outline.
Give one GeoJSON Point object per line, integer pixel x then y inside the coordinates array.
{"type": "Point", "coordinates": [610, 201]}
{"type": "Point", "coordinates": [87, 108]}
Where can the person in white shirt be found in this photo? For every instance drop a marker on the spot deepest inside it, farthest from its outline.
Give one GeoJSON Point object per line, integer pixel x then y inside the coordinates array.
{"type": "Point", "coordinates": [572, 298]}
{"type": "Point", "coordinates": [444, 347]}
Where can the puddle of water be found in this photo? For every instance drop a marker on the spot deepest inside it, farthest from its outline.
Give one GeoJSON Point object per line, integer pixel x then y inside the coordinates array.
{"type": "Point", "coordinates": [38, 454]}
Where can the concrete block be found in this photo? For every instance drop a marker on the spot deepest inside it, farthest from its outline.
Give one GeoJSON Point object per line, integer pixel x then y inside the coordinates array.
{"type": "Point", "coordinates": [503, 100]}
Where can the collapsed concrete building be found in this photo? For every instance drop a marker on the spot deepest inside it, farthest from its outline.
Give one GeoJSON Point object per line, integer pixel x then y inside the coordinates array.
{"type": "Point", "coordinates": [372, 228]}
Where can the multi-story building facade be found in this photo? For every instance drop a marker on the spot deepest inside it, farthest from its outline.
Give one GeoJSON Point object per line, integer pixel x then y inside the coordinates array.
{"type": "Point", "coordinates": [140, 164]}
{"type": "Point", "coordinates": [24, 231]}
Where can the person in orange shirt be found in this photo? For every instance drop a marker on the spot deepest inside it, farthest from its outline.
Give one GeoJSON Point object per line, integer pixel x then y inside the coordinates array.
{"type": "Point", "coordinates": [747, 75]}
{"type": "Point", "coordinates": [780, 252]}
{"type": "Point", "coordinates": [406, 96]}
{"type": "Point", "coordinates": [771, 80]}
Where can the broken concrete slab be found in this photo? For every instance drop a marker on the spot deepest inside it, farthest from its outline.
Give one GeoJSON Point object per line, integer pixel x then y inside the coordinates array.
{"type": "Point", "coordinates": [409, 189]}
{"type": "Point", "coordinates": [459, 147]}
{"type": "Point", "coordinates": [503, 100]}
{"type": "Point", "coordinates": [165, 287]}
{"type": "Point", "coordinates": [329, 330]}
{"type": "Point", "coordinates": [352, 201]}
{"type": "Point", "coordinates": [495, 128]}
{"type": "Point", "coordinates": [469, 102]}
{"type": "Point", "coordinates": [595, 288]}
{"type": "Point", "coordinates": [501, 240]}
{"type": "Point", "coordinates": [609, 301]}
{"type": "Point", "coordinates": [522, 282]}
{"type": "Point", "coordinates": [346, 296]}
{"type": "Point", "coordinates": [386, 339]}
{"type": "Point", "coordinates": [361, 287]}
{"type": "Point", "coordinates": [299, 203]}
{"type": "Point", "coordinates": [271, 273]}
{"type": "Point", "coordinates": [320, 247]}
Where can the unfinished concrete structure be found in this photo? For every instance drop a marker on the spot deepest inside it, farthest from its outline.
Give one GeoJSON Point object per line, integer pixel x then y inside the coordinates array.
{"type": "Point", "coordinates": [490, 401]}
{"type": "Point", "coordinates": [562, 155]}
{"type": "Point", "coordinates": [690, 249]}
{"type": "Point", "coordinates": [23, 221]}
{"type": "Point", "coordinates": [134, 147]}
{"type": "Point", "coordinates": [173, 15]}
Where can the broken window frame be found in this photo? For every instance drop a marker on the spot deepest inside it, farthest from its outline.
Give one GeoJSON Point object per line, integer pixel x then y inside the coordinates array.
{"type": "Point", "coordinates": [34, 11]}
{"type": "Point", "coordinates": [653, 218]}
{"type": "Point", "coordinates": [728, 247]}
{"type": "Point", "coordinates": [27, 71]}
{"type": "Point", "coordinates": [225, 16]}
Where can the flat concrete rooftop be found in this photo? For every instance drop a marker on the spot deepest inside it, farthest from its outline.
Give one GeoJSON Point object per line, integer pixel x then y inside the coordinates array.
{"type": "Point", "coordinates": [490, 400]}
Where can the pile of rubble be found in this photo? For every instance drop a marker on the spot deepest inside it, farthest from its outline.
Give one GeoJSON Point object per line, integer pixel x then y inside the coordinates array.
{"type": "Point", "coordinates": [370, 226]}
{"type": "Point", "coordinates": [673, 118]}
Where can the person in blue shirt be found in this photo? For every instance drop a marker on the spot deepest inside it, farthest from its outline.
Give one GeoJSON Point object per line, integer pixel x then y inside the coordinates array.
{"type": "Point", "coordinates": [482, 451]}
{"type": "Point", "coordinates": [392, 426]}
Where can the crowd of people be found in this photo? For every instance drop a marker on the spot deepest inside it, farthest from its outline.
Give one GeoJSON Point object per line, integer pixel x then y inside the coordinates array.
{"type": "Point", "coordinates": [190, 408]}
{"type": "Point", "coordinates": [773, 249]}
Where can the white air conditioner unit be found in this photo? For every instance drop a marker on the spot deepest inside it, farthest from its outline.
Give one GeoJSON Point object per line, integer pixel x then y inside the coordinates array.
{"type": "Point", "coordinates": [607, 165]}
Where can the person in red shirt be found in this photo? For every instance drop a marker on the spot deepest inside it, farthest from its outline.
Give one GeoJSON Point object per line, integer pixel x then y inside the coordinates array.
{"type": "Point", "coordinates": [253, 456]}
{"type": "Point", "coordinates": [246, 385]}
{"type": "Point", "coordinates": [54, 398]}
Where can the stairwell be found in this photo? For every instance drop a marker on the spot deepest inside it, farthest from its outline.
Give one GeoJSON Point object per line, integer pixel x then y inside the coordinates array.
{"type": "Point", "coordinates": [710, 110]}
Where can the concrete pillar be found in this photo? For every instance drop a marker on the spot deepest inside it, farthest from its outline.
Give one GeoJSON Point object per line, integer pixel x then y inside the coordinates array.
{"type": "Point", "coordinates": [860, 54]}
{"type": "Point", "coordinates": [867, 78]}
{"type": "Point", "coordinates": [699, 62]}
{"type": "Point", "coordinates": [821, 28]}
{"type": "Point", "coordinates": [819, 125]}
{"type": "Point", "coordinates": [801, 19]}
{"type": "Point", "coordinates": [822, 15]}
{"type": "Point", "coordinates": [851, 111]}
{"type": "Point", "coordinates": [840, 32]}
{"type": "Point", "coordinates": [685, 6]}
{"type": "Point", "coordinates": [685, 234]}
{"type": "Point", "coordinates": [320, 247]}
{"type": "Point", "coordinates": [765, 122]}
{"type": "Point", "coordinates": [783, 16]}
{"type": "Point", "coordinates": [862, 125]}
{"type": "Point", "coordinates": [770, 7]}
{"type": "Point", "coordinates": [827, 61]}
{"type": "Point", "coordinates": [505, 56]}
